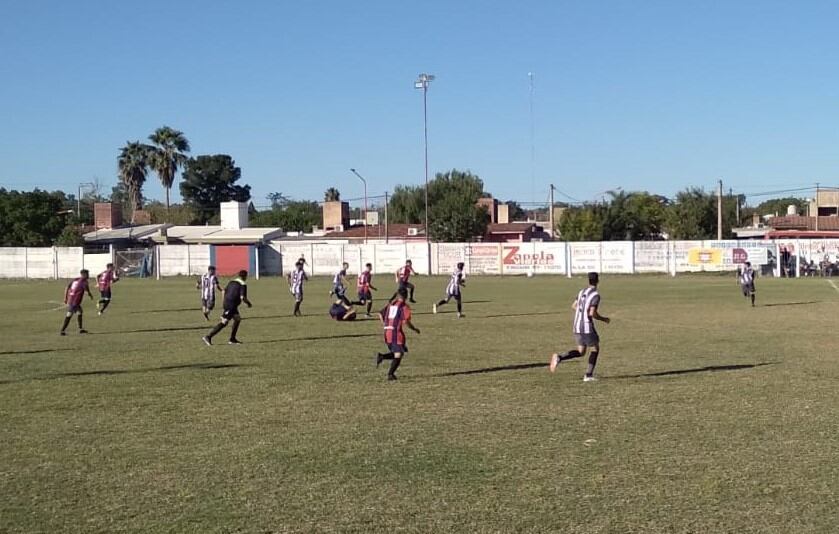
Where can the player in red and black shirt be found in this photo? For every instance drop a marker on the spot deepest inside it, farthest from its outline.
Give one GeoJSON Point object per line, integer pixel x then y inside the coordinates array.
{"type": "Point", "coordinates": [365, 288]}
{"type": "Point", "coordinates": [403, 277]}
{"type": "Point", "coordinates": [73, 296]}
{"type": "Point", "coordinates": [104, 281]}
{"type": "Point", "coordinates": [394, 317]}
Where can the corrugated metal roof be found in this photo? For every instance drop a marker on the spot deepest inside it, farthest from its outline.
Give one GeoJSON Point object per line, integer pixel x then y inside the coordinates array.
{"type": "Point", "coordinates": [124, 234]}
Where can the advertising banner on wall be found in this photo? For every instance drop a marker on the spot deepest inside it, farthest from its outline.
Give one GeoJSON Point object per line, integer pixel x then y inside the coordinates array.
{"type": "Point", "coordinates": [536, 257]}
{"type": "Point", "coordinates": [652, 256]}
{"type": "Point", "coordinates": [389, 258]}
{"type": "Point", "coordinates": [616, 257]}
{"type": "Point", "coordinates": [448, 255]}
{"type": "Point", "coordinates": [739, 252]}
{"type": "Point", "coordinates": [585, 257]}
{"type": "Point", "coordinates": [483, 258]}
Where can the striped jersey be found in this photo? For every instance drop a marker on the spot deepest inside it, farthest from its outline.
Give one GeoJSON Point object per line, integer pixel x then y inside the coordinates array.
{"type": "Point", "coordinates": [455, 282]}
{"type": "Point", "coordinates": [338, 279]}
{"type": "Point", "coordinates": [75, 291]}
{"type": "Point", "coordinates": [404, 273]}
{"type": "Point", "coordinates": [297, 279]}
{"type": "Point", "coordinates": [364, 281]}
{"type": "Point", "coordinates": [747, 276]}
{"type": "Point", "coordinates": [208, 286]}
{"type": "Point", "coordinates": [586, 299]}
{"type": "Point", "coordinates": [394, 316]}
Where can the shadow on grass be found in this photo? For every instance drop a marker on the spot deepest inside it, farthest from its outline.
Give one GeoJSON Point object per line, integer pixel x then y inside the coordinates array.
{"type": "Point", "coordinates": [193, 309]}
{"type": "Point", "coordinates": [314, 338]}
{"type": "Point", "coordinates": [156, 330]}
{"type": "Point", "coordinates": [706, 369]}
{"type": "Point", "coordinates": [34, 351]}
{"type": "Point", "coordinates": [514, 367]}
{"type": "Point", "coordinates": [520, 314]}
{"type": "Point", "coordinates": [111, 372]}
{"type": "Point", "coordinates": [792, 303]}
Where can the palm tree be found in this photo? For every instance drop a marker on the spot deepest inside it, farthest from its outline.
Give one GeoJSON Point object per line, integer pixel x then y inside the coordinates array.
{"type": "Point", "coordinates": [132, 165]}
{"type": "Point", "coordinates": [169, 153]}
{"type": "Point", "coordinates": [332, 195]}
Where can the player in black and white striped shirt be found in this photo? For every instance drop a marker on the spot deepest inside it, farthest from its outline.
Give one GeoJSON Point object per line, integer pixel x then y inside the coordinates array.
{"type": "Point", "coordinates": [453, 291]}
{"type": "Point", "coordinates": [746, 277]}
{"type": "Point", "coordinates": [208, 284]}
{"type": "Point", "coordinates": [585, 313]}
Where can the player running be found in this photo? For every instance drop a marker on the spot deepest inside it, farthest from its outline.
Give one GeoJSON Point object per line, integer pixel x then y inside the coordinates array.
{"type": "Point", "coordinates": [235, 294]}
{"type": "Point", "coordinates": [453, 291]}
{"type": "Point", "coordinates": [295, 286]}
{"type": "Point", "coordinates": [208, 284]}
{"type": "Point", "coordinates": [73, 296]}
{"type": "Point", "coordinates": [585, 313]}
{"type": "Point", "coordinates": [394, 316]}
{"type": "Point", "coordinates": [365, 287]}
{"type": "Point", "coordinates": [104, 281]}
{"type": "Point", "coordinates": [746, 277]}
{"type": "Point", "coordinates": [339, 284]}
{"type": "Point", "coordinates": [403, 276]}
{"type": "Point", "coordinates": [341, 311]}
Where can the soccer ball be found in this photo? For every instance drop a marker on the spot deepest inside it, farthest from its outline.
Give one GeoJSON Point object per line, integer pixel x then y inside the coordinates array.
{"type": "Point", "coordinates": [530, 274]}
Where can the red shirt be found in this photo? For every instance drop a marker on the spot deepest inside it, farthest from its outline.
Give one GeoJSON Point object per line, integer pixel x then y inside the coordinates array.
{"type": "Point", "coordinates": [394, 316]}
{"type": "Point", "coordinates": [105, 279]}
{"type": "Point", "coordinates": [404, 273]}
{"type": "Point", "coordinates": [75, 291]}
{"type": "Point", "coordinates": [364, 280]}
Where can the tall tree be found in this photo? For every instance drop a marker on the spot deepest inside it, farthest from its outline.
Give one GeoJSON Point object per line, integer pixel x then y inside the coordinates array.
{"type": "Point", "coordinates": [635, 216]}
{"type": "Point", "coordinates": [133, 165]}
{"type": "Point", "coordinates": [693, 215]}
{"type": "Point", "coordinates": [583, 223]}
{"type": "Point", "coordinates": [332, 195]}
{"type": "Point", "coordinates": [292, 216]}
{"type": "Point", "coordinates": [778, 206]}
{"type": "Point", "coordinates": [210, 180]}
{"type": "Point", "coordinates": [407, 205]}
{"type": "Point", "coordinates": [168, 155]}
{"type": "Point", "coordinates": [34, 218]}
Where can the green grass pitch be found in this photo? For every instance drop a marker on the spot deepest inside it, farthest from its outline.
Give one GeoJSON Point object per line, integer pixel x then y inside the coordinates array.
{"type": "Point", "coordinates": [709, 416]}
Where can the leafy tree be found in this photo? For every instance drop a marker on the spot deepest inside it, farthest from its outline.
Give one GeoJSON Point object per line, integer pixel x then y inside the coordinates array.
{"type": "Point", "coordinates": [516, 212]}
{"type": "Point", "coordinates": [634, 216]}
{"type": "Point", "coordinates": [71, 236]}
{"type": "Point", "coordinates": [407, 205]}
{"type": "Point", "coordinates": [133, 164]}
{"type": "Point", "coordinates": [168, 154]}
{"type": "Point", "coordinates": [693, 215]}
{"type": "Point", "coordinates": [277, 199]}
{"type": "Point", "coordinates": [293, 216]}
{"type": "Point", "coordinates": [779, 206]}
{"type": "Point", "coordinates": [583, 223]}
{"type": "Point", "coordinates": [210, 180]}
{"type": "Point", "coordinates": [175, 214]}
{"type": "Point", "coordinates": [32, 219]}
{"type": "Point", "coordinates": [332, 195]}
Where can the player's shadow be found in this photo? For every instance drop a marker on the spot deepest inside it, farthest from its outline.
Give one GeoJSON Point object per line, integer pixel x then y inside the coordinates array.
{"type": "Point", "coordinates": [484, 370]}
{"type": "Point", "coordinates": [111, 372]}
{"type": "Point", "coordinates": [477, 301]}
{"type": "Point", "coordinates": [313, 338]}
{"type": "Point", "coordinates": [193, 309]}
{"type": "Point", "coordinates": [34, 351]}
{"type": "Point", "coordinates": [706, 369]}
{"type": "Point", "coordinates": [792, 303]}
{"type": "Point", "coordinates": [519, 314]}
{"type": "Point", "coordinates": [152, 330]}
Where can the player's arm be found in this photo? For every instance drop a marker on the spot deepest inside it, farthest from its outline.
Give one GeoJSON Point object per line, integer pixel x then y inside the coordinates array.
{"type": "Point", "coordinates": [67, 293]}
{"type": "Point", "coordinates": [594, 314]}
{"type": "Point", "coordinates": [245, 296]}
{"type": "Point", "coordinates": [372, 287]}
{"type": "Point", "coordinates": [288, 279]}
{"type": "Point", "coordinates": [411, 326]}
{"type": "Point", "coordinates": [89, 294]}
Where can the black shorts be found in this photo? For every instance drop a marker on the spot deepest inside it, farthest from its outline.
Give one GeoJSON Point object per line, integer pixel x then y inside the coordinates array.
{"type": "Point", "coordinates": [230, 314]}
{"type": "Point", "coordinates": [365, 296]}
{"type": "Point", "coordinates": [406, 285]}
{"type": "Point", "coordinates": [105, 294]}
{"type": "Point", "coordinates": [587, 340]}
{"type": "Point", "coordinates": [748, 289]}
{"type": "Point", "coordinates": [74, 308]}
{"type": "Point", "coordinates": [397, 348]}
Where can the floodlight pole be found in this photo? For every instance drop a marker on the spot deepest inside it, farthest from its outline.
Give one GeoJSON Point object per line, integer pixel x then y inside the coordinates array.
{"type": "Point", "coordinates": [422, 83]}
{"type": "Point", "coordinates": [365, 202]}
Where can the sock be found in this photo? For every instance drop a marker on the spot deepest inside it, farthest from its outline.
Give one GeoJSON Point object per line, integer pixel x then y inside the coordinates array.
{"type": "Point", "coordinates": [345, 300]}
{"type": "Point", "coordinates": [66, 322]}
{"type": "Point", "coordinates": [79, 319]}
{"type": "Point", "coordinates": [394, 365]}
{"type": "Point", "coordinates": [104, 304]}
{"type": "Point", "coordinates": [412, 292]}
{"type": "Point", "coordinates": [753, 299]}
{"type": "Point", "coordinates": [386, 356]}
{"type": "Point", "coordinates": [592, 361]}
{"type": "Point", "coordinates": [459, 306]}
{"type": "Point", "coordinates": [570, 355]}
{"type": "Point", "coordinates": [216, 329]}
{"type": "Point", "coordinates": [296, 308]}
{"type": "Point", "coordinates": [441, 302]}
{"type": "Point", "coordinates": [369, 307]}
{"type": "Point", "coordinates": [235, 329]}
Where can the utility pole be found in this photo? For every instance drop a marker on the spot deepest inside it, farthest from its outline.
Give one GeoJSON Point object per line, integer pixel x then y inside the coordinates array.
{"type": "Point", "coordinates": [817, 206]}
{"type": "Point", "coordinates": [386, 221]}
{"type": "Point", "coordinates": [719, 211]}
{"type": "Point", "coordinates": [551, 212]}
{"type": "Point", "coordinates": [422, 83]}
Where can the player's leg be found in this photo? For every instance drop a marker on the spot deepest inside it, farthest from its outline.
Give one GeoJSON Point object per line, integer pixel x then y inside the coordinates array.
{"type": "Point", "coordinates": [558, 358]}
{"type": "Point", "coordinates": [208, 339]}
{"type": "Point", "coordinates": [80, 320]}
{"type": "Point", "coordinates": [67, 317]}
{"type": "Point", "coordinates": [381, 356]}
{"type": "Point", "coordinates": [104, 301]}
{"type": "Point", "coordinates": [411, 288]}
{"type": "Point", "coordinates": [592, 362]}
{"type": "Point", "coordinates": [237, 320]}
{"type": "Point", "coordinates": [459, 299]}
{"type": "Point", "coordinates": [394, 365]}
{"type": "Point", "coordinates": [440, 303]}
{"type": "Point", "coordinates": [369, 299]}
{"type": "Point", "coordinates": [752, 294]}
{"type": "Point", "coordinates": [298, 300]}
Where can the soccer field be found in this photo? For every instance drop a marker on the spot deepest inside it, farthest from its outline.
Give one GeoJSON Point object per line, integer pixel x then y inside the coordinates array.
{"type": "Point", "coordinates": [709, 415]}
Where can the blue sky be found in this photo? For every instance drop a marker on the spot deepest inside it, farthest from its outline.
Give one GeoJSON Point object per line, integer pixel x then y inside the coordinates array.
{"type": "Point", "coordinates": [653, 95]}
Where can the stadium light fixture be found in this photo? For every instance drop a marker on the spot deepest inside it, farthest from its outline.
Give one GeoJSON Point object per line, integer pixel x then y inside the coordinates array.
{"type": "Point", "coordinates": [365, 201]}
{"type": "Point", "coordinates": [423, 80]}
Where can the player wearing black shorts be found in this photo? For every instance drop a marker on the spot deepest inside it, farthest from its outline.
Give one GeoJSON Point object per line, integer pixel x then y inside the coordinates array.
{"type": "Point", "coordinates": [341, 311]}
{"type": "Point", "coordinates": [235, 294]}
{"type": "Point", "coordinates": [746, 277]}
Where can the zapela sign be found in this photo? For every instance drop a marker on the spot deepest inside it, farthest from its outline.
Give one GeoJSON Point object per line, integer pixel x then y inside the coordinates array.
{"type": "Point", "coordinates": [538, 258]}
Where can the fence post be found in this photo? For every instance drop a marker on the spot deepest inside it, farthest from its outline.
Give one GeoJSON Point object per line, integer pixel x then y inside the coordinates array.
{"type": "Point", "coordinates": [567, 259]}
{"type": "Point", "coordinates": [632, 256]}
{"type": "Point", "coordinates": [157, 261]}
{"type": "Point", "coordinates": [55, 263]}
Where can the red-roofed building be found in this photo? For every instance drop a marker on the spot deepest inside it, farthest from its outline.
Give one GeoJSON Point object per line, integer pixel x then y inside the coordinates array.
{"type": "Point", "coordinates": [381, 233]}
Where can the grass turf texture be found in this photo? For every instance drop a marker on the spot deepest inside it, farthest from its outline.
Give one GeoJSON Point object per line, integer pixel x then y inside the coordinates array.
{"type": "Point", "coordinates": [709, 415]}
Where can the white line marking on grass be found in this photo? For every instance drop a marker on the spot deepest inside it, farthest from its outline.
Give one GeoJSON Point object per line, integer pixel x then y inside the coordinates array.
{"type": "Point", "coordinates": [834, 285]}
